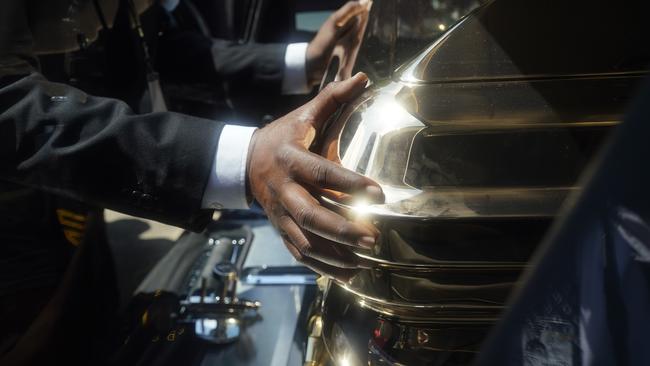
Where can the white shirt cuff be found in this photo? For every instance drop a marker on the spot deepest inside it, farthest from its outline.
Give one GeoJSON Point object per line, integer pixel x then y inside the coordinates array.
{"type": "Point", "coordinates": [294, 80]}
{"type": "Point", "coordinates": [226, 186]}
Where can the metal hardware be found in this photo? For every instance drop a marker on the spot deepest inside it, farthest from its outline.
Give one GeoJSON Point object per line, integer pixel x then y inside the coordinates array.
{"type": "Point", "coordinates": [218, 319]}
{"type": "Point", "coordinates": [279, 275]}
{"type": "Point", "coordinates": [214, 309]}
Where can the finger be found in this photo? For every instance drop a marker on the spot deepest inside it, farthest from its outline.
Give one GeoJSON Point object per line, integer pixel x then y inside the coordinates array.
{"type": "Point", "coordinates": [313, 246]}
{"type": "Point", "coordinates": [340, 274]}
{"type": "Point", "coordinates": [321, 173]}
{"type": "Point", "coordinates": [348, 35]}
{"type": "Point", "coordinates": [311, 216]}
{"type": "Point", "coordinates": [348, 11]}
{"type": "Point", "coordinates": [349, 7]}
{"type": "Point", "coordinates": [319, 109]}
{"type": "Point", "coordinates": [357, 211]}
{"type": "Point", "coordinates": [347, 23]}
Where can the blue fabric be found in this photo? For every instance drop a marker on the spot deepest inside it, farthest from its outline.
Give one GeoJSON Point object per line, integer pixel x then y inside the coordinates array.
{"type": "Point", "coordinates": [587, 299]}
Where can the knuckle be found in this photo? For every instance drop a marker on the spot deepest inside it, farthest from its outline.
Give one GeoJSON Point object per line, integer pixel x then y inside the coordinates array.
{"type": "Point", "coordinates": [304, 249]}
{"type": "Point", "coordinates": [272, 188]}
{"type": "Point", "coordinates": [305, 217]}
{"type": "Point", "coordinates": [309, 118]}
{"type": "Point", "coordinates": [285, 237]}
{"type": "Point", "coordinates": [286, 197]}
{"type": "Point", "coordinates": [327, 91]}
{"type": "Point", "coordinates": [355, 181]}
{"type": "Point", "coordinates": [329, 88]}
{"type": "Point", "coordinates": [285, 157]}
{"type": "Point", "coordinates": [346, 181]}
{"type": "Point", "coordinates": [342, 233]}
{"type": "Point", "coordinates": [297, 254]}
{"type": "Point", "coordinates": [320, 173]}
{"type": "Point", "coordinates": [283, 220]}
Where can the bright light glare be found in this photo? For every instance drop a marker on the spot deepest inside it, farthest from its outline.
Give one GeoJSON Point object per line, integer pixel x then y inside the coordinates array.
{"type": "Point", "coordinates": [392, 112]}
{"type": "Point", "coordinates": [361, 207]}
{"type": "Point", "coordinates": [441, 27]}
{"type": "Point", "coordinates": [343, 361]}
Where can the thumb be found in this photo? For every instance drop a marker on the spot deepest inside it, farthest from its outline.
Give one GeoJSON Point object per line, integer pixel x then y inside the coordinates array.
{"type": "Point", "coordinates": [333, 96]}
{"type": "Point", "coordinates": [348, 11]}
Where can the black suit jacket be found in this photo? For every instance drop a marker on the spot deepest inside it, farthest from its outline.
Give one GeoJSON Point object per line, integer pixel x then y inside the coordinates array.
{"type": "Point", "coordinates": [59, 139]}
{"type": "Point", "coordinates": [56, 140]}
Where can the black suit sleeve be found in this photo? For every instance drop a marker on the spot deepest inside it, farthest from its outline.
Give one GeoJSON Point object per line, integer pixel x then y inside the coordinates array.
{"type": "Point", "coordinates": [186, 53]}
{"type": "Point", "coordinates": [190, 56]}
{"type": "Point", "coordinates": [59, 139]}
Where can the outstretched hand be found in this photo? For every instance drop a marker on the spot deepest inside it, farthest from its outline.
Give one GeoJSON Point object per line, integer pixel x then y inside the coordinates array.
{"type": "Point", "coordinates": [283, 173]}
{"type": "Point", "coordinates": [340, 26]}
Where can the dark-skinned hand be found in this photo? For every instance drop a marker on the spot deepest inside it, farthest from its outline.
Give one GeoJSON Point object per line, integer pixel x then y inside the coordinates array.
{"type": "Point", "coordinates": [286, 179]}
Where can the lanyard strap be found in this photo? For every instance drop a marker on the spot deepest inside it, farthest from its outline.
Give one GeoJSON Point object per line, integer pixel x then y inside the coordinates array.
{"type": "Point", "coordinates": [153, 81]}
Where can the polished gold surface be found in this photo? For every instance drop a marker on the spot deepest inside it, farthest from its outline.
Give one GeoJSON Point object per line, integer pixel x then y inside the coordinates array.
{"type": "Point", "coordinates": [470, 192]}
{"type": "Point", "coordinates": [357, 335]}
{"type": "Point", "coordinates": [477, 143]}
{"type": "Point", "coordinates": [473, 149]}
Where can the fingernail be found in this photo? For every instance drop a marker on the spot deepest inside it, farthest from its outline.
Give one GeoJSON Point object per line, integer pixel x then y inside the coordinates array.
{"type": "Point", "coordinates": [375, 192]}
{"type": "Point", "coordinates": [367, 241]}
{"type": "Point", "coordinates": [362, 76]}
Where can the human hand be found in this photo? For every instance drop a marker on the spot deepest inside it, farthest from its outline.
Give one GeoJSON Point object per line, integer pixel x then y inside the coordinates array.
{"type": "Point", "coordinates": [341, 25]}
{"type": "Point", "coordinates": [286, 179]}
